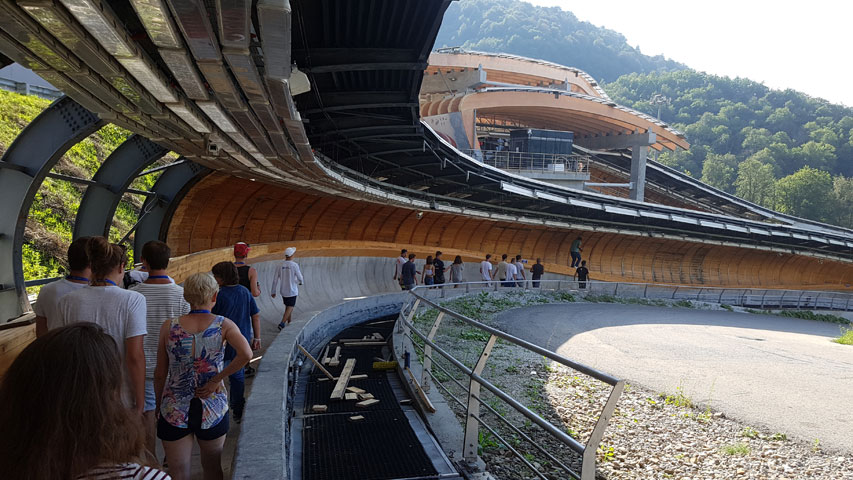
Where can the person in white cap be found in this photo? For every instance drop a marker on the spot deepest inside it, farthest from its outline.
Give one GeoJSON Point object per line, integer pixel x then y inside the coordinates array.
{"type": "Point", "coordinates": [290, 276]}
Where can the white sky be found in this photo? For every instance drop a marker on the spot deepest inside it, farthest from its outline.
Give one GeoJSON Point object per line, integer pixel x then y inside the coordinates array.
{"type": "Point", "coordinates": [801, 45]}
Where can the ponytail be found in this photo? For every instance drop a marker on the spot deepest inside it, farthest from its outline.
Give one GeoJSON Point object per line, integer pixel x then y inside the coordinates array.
{"type": "Point", "coordinates": [105, 257]}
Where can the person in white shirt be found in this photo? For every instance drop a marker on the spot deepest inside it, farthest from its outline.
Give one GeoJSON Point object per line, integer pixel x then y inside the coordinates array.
{"type": "Point", "coordinates": [511, 273]}
{"type": "Point", "coordinates": [398, 267]}
{"type": "Point", "coordinates": [520, 276]}
{"type": "Point", "coordinates": [164, 301]}
{"type": "Point", "coordinates": [290, 276]}
{"type": "Point", "coordinates": [486, 269]}
{"type": "Point", "coordinates": [47, 305]}
{"type": "Point", "coordinates": [120, 312]}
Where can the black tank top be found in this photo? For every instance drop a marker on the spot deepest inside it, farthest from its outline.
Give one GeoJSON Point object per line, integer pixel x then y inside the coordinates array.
{"type": "Point", "coordinates": [243, 273]}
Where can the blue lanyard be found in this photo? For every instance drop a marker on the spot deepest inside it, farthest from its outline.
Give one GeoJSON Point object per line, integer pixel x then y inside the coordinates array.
{"type": "Point", "coordinates": [76, 278]}
{"type": "Point", "coordinates": [158, 276]}
{"type": "Point", "coordinates": [107, 280]}
{"type": "Point", "coordinates": [239, 263]}
{"type": "Point", "coordinates": [199, 311]}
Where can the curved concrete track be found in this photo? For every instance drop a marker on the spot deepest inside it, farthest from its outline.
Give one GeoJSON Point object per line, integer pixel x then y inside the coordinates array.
{"type": "Point", "coordinates": [780, 373]}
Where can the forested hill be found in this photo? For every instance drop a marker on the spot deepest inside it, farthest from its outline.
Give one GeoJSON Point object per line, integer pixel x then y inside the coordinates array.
{"type": "Point", "coordinates": [781, 149]}
{"type": "Point", "coordinates": [553, 34]}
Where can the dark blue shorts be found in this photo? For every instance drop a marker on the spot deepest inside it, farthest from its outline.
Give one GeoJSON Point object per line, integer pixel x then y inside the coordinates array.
{"type": "Point", "coordinates": [170, 433]}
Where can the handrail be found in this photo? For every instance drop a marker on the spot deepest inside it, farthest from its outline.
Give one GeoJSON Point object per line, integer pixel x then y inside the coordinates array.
{"type": "Point", "coordinates": [556, 163]}
{"type": "Point", "coordinates": [418, 297]}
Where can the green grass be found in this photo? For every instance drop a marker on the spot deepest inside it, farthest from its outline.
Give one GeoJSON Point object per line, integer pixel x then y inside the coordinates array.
{"type": "Point", "coordinates": [846, 337]}
{"type": "Point", "coordinates": [735, 449]}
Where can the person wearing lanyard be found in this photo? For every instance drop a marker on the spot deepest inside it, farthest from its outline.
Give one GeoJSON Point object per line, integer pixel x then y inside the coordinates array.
{"type": "Point", "coordinates": [45, 308]}
{"type": "Point", "coordinates": [164, 300]}
{"type": "Point", "coordinates": [248, 274]}
{"type": "Point", "coordinates": [120, 312]}
{"type": "Point", "coordinates": [188, 379]}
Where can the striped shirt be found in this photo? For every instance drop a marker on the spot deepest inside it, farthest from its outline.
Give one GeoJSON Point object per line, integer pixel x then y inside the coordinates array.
{"type": "Point", "coordinates": [124, 471]}
{"type": "Point", "coordinates": [165, 301]}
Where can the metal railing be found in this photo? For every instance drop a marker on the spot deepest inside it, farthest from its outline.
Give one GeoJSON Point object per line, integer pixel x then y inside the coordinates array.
{"type": "Point", "coordinates": [533, 162]}
{"type": "Point", "coordinates": [473, 418]}
{"type": "Point", "coordinates": [426, 296]}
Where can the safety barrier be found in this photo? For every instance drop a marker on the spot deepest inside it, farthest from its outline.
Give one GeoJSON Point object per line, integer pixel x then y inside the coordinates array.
{"type": "Point", "coordinates": [473, 420]}
{"type": "Point", "coordinates": [568, 164]}
{"type": "Point", "coordinates": [29, 89]}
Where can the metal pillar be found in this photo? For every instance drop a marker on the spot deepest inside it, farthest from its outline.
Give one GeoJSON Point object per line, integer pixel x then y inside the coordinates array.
{"type": "Point", "coordinates": [22, 170]}
{"type": "Point", "coordinates": [170, 188]}
{"type": "Point", "coordinates": [639, 153]}
{"type": "Point", "coordinates": [111, 181]}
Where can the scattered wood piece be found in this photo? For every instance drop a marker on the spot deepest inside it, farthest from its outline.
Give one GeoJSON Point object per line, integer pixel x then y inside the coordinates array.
{"type": "Point", "coordinates": [364, 343]}
{"type": "Point", "coordinates": [365, 396]}
{"type": "Point", "coordinates": [325, 356]}
{"type": "Point", "coordinates": [336, 358]}
{"type": "Point", "coordinates": [406, 401]}
{"type": "Point", "coordinates": [379, 359]}
{"type": "Point", "coordinates": [355, 390]}
{"type": "Point", "coordinates": [384, 365]}
{"type": "Point", "coordinates": [356, 418]}
{"type": "Point", "coordinates": [319, 408]}
{"type": "Point", "coordinates": [340, 387]}
{"type": "Point", "coordinates": [428, 406]}
{"type": "Point", "coordinates": [367, 403]}
{"type": "Point", "coordinates": [360, 376]}
{"type": "Point", "coordinates": [314, 360]}
{"type": "Point", "coordinates": [350, 396]}
{"type": "Point", "coordinates": [378, 336]}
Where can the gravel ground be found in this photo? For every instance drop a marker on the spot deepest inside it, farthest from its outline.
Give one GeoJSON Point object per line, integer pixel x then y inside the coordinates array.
{"type": "Point", "coordinates": [652, 435]}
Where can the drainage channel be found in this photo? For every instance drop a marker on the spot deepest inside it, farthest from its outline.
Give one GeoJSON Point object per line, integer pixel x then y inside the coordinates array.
{"type": "Point", "coordinates": [340, 440]}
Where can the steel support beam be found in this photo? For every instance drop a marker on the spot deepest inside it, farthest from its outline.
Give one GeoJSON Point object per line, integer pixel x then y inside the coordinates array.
{"type": "Point", "coordinates": [31, 157]}
{"type": "Point", "coordinates": [639, 153]}
{"type": "Point", "coordinates": [118, 171]}
{"type": "Point", "coordinates": [170, 188]}
{"type": "Point", "coordinates": [617, 142]}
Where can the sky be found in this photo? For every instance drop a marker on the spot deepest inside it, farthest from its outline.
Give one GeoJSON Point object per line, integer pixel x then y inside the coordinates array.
{"type": "Point", "coordinates": [804, 46]}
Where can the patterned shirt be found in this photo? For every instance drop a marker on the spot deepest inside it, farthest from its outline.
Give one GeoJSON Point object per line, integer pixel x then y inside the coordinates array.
{"type": "Point", "coordinates": [124, 471]}
{"type": "Point", "coordinates": [193, 360]}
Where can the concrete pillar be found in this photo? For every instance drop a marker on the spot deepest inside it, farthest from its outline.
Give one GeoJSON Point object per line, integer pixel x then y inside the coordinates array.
{"type": "Point", "coordinates": [638, 172]}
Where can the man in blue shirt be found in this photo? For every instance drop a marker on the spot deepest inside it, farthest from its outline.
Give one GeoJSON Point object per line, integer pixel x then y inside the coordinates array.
{"type": "Point", "coordinates": [236, 303]}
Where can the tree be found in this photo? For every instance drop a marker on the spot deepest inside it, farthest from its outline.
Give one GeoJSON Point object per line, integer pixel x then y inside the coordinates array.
{"type": "Point", "coordinates": [806, 193]}
{"type": "Point", "coordinates": [756, 182]}
{"type": "Point", "coordinates": [842, 198]}
{"type": "Point", "coordinates": [719, 171]}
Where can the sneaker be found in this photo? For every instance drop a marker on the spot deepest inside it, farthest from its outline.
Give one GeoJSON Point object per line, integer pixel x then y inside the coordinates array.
{"type": "Point", "coordinates": [236, 416]}
{"type": "Point", "coordinates": [281, 326]}
{"type": "Point", "coordinates": [249, 371]}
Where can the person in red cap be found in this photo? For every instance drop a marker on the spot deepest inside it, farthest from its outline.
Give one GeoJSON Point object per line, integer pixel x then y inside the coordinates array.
{"type": "Point", "coordinates": [248, 274]}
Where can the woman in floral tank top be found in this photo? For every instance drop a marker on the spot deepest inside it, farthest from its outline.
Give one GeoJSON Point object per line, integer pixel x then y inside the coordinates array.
{"type": "Point", "coordinates": [188, 380]}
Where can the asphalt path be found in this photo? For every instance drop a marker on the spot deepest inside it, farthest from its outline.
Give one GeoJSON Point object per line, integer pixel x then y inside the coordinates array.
{"type": "Point", "coordinates": [775, 373]}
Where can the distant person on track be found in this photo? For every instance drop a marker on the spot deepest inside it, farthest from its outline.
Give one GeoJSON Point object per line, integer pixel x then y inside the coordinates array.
{"type": "Point", "coordinates": [537, 271]}
{"type": "Point", "coordinates": [248, 274]}
{"type": "Point", "coordinates": [409, 274]}
{"type": "Point", "coordinates": [46, 307]}
{"type": "Point", "coordinates": [63, 417]}
{"type": "Point", "coordinates": [120, 312]}
{"type": "Point", "coordinates": [486, 269]}
{"type": "Point", "coordinates": [520, 276]}
{"type": "Point", "coordinates": [511, 274]}
{"type": "Point", "coordinates": [500, 270]}
{"type": "Point", "coordinates": [428, 277]}
{"type": "Point", "coordinates": [290, 276]}
{"type": "Point", "coordinates": [582, 275]}
{"type": "Point", "coordinates": [235, 303]}
{"type": "Point", "coordinates": [439, 268]}
{"type": "Point", "coordinates": [164, 300]}
{"type": "Point", "coordinates": [191, 396]}
{"type": "Point", "coordinates": [457, 269]}
{"type": "Point", "coordinates": [398, 267]}
{"type": "Point", "coordinates": [575, 251]}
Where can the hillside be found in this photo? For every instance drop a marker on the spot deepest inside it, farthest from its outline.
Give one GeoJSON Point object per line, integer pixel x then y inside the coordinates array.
{"type": "Point", "coordinates": [50, 221]}
{"type": "Point", "coordinates": [780, 149]}
{"type": "Point", "coordinates": [553, 34]}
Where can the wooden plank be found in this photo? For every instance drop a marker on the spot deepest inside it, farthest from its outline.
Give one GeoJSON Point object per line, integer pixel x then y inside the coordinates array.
{"type": "Point", "coordinates": [350, 396]}
{"type": "Point", "coordinates": [365, 396]}
{"type": "Point", "coordinates": [356, 418]}
{"type": "Point", "coordinates": [340, 387]}
{"type": "Point", "coordinates": [355, 390]}
{"type": "Point", "coordinates": [428, 406]}
{"type": "Point", "coordinates": [314, 360]}
{"type": "Point", "coordinates": [336, 358]}
{"type": "Point", "coordinates": [364, 344]}
{"type": "Point", "coordinates": [384, 365]}
{"type": "Point", "coordinates": [319, 408]}
{"type": "Point", "coordinates": [360, 376]}
{"type": "Point", "coordinates": [367, 403]}
{"type": "Point", "coordinates": [325, 356]}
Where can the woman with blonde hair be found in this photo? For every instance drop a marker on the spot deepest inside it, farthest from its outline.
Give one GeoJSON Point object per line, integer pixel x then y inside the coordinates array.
{"type": "Point", "coordinates": [63, 416]}
{"type": "Point", "coordinates": [188, 380]}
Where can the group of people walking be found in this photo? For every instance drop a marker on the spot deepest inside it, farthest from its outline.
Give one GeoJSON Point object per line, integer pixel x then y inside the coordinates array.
{"type": "Point", "coordinates": [122, 358]}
